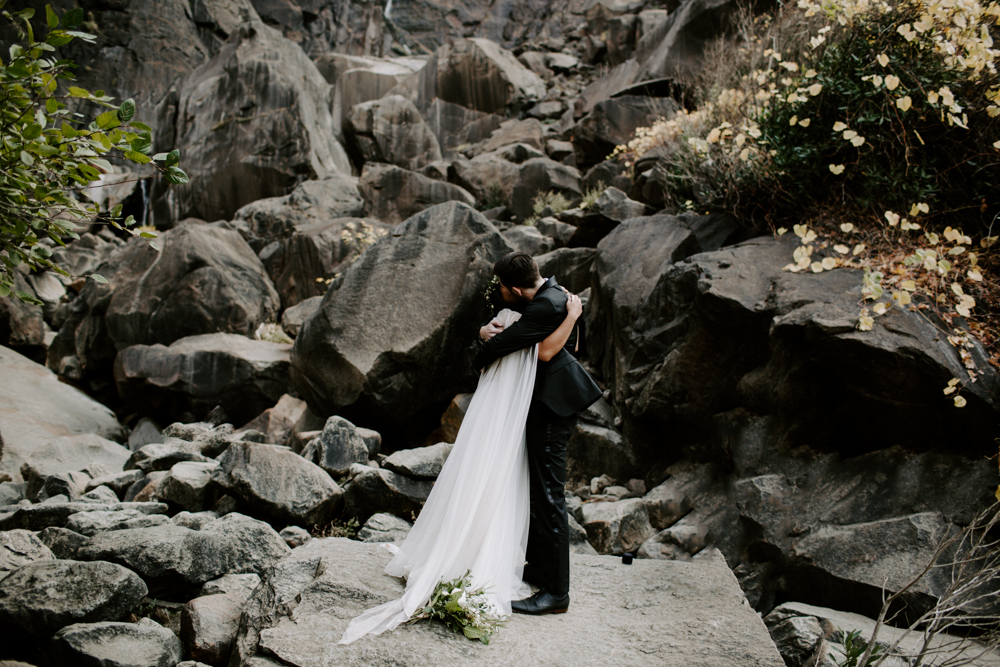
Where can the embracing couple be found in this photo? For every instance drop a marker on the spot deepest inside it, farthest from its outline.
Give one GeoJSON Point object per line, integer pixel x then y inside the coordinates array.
{"type": "Point", "coordinates": [499, 500]}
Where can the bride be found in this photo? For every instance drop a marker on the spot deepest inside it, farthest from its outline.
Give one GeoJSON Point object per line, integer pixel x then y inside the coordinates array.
{"type": "Point", "coordinates": [476, 516]}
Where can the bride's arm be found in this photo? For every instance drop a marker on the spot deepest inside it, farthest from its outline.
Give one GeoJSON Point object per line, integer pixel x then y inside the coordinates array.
{"type": "Point", "coordinates": [549, 347]}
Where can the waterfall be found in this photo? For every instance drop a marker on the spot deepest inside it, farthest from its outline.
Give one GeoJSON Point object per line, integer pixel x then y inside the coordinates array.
{"type": "Point", "coordinates": [145, 202]}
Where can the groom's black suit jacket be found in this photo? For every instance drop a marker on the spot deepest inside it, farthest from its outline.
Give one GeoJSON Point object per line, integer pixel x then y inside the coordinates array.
{"type": "Point", "coordinates": [561, 384]}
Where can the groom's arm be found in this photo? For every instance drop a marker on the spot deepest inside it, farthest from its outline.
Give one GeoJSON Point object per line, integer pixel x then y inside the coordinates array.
{"type": "Point", "coordinates": [541, 317]}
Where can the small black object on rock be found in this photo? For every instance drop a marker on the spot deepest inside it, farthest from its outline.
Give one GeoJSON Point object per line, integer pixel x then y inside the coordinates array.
{"type": "Point", "coordinates": [627, 558]}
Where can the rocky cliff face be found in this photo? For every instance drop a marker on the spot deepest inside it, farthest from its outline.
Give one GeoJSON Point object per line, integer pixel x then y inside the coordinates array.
{"type": "Point", "coordinates": [356, 170]}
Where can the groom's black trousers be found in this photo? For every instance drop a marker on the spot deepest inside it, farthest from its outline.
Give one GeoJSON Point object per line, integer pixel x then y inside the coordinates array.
{"type": "Point", "coordinates": [546, 434]}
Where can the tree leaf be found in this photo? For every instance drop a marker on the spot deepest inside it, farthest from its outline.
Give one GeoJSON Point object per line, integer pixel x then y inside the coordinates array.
{"type": "Point", "coordinates": [27, 298]}
{"type": "Point", "coordinates": [137, 157]}
{"type": "Point", "coordinates": [50, 16]}
{"type": "Point", "coordinates": [176, 176]}
{"type": "Point", "coordinates": [99, 278]}
{"type": "Point", "coordinates": [27, 159]}
{"type": "Point", "coordinates": [126, 110]}
{"type": "Point", "coordinates": [173, 157]}
{"type": "Point", "coordinates": [108, 120]}
{"type": "Point", "coordinates": [79, 92]}
{"type": "Point", "coordinates": [142, 126]}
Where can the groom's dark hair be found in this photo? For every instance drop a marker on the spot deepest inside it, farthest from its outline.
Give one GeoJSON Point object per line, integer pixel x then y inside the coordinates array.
{"type": "Point", "coordinates": [517, 269]}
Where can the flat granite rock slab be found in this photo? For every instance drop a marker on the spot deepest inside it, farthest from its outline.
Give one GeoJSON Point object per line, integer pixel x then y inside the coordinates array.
{"type": "Point", "coordinates": [651, 612]}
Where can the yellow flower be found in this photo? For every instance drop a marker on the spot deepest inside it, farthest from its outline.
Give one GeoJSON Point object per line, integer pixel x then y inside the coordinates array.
{"type": "Point", "coordinates": [904, 103]}
{"type": "Point", "coordinates": [891, 81]}
{"type": "Point", "coordinates": [857, 141]}
{"type": "Point", "coordinates": [893, 218]}
{"type": "Point", "coordinates": [815, 89]}
{"type": "Point", "coordinates": [805, 122]}
{"type": "Point", "coordinates": [837, 169]}
{"type": "Point", "coordinates": [838, 126]}
{"type": "Point", "coordinates": [793, 120]}
{"type": "Point", "coordinates": [849, 134]}
{"type": "Point", "coordinates": [932, 97]}
{"type": "Point", "coordinates": [883, 59]}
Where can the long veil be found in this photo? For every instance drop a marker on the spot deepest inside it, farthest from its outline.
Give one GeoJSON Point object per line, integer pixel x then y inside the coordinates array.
{"type": "Point", "coordinates": [476, 517]}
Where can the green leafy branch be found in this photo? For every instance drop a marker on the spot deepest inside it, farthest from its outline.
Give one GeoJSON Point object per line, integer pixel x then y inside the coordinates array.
{"type": "Point", "coordinates": [50, 153]}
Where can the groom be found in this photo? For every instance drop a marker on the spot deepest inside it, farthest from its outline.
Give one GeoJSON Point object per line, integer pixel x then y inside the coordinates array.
{"type": "Point", "coordinates": [562, 390]}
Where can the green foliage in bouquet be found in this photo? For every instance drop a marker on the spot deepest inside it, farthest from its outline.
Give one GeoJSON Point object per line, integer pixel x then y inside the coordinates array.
{"type": "Point", "coordinates": [462, 608]}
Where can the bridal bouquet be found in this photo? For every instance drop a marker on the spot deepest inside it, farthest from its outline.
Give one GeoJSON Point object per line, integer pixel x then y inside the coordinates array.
{"type": "Point", "coordinates": [463, 609]}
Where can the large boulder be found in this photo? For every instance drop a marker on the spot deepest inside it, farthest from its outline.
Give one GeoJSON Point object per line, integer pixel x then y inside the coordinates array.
{"type": "Point", "coordinates": [39, 409]}
{"type": "Point", "coordinates": [252, 122]}
{"type": "Point", "coordinates": [420, 463]}
{"type": "Point", "coordinates": [393, 194]}
{"type": "Point", "coordinates": [473, 73]}
{"type": "Point", "coordinates": [616, 527]}
{"type": "Point", "coordinates": [304, 264]}
{"type": "Point", "coordinates": [278, 483]}
{"type": "Point", "coordinates": [197, 373]}
{"type": "Point", "coordinates": [143, 644]}
{"type": "Point", "coordinates": [44, 515]}
{"type": "Point", "coordinates": [570, 266]}
{"type": "Point", "coordinates": [186, 483]}
{"type": "Point", "coordinates": [307, 601]}
{"type": "Point", "coordinates": [313, 202]}
{"type": "Point", "coordinates": [613, 122]}
{"type": "Point", "coordinates": [675, 47]}
{"type": "Point", "coordinates": [538, 176]}
{"type": "Point", "coordinates": [378, 343]}
{"type": "Point", "coordinates": [42, 597]}
{"type": "Point", "coordinates": [173, 560]}
{"type": "Point", "coordinates": [734, 330]}
{"type": "Point", "coordinates": [391, 130]}
{"type": "Point", "coordinates": [205, 279]}
{"type": "Point", "coordinates": [22, 324]}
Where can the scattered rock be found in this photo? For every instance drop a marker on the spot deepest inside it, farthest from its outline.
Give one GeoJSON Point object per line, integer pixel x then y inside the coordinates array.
{"type": "Point", "coordinates": [474, 73]}
{"type": "Point", "coordinates": [278, 423]}
{"type": "Point", "coordinates": [62, 542]}
{"type": "Point", "coordinates": [39, 598]}
{"type": "Point", "coordinates": [294, 536]}
{"type": "Point", "coordinates": [197, 373]}
{"type": "Point", "coordinates": [393, 194]}
{"type": "Point", "coordinates": [145, 432]}
{"type": "Point", "coordinates": [377, 490]}
{"type": "Point", "coordinates": [185, 484]}
{"type": "Point", "coordinates": [20, 547]}
{"type": "Point", "coordinates": [68, 454]}
{"type": "Point", "coordinates": [391, 130]}
{"type": "Point", "coordinates": [143, 644]}
{"type": "Point", "coordinates": [383, 527]}
{"type": "Point", "coordinates": [117, 482]}
{"type": "Point", "coordinates": [172, 559]}
{"type": "Point", "coordinates": [91, 523]}
{"type": "Point", "coordinates": [278, 483]}
{"type": "Point", "coordinates": [163, 457]}
{"type": "Point", "coordinates": [337, 447]}
{"type": "Point", "coordinates": [612, 122]}
{"type": "Point", "coordinates": [616, 527]}
{"type": "Point", "coordinates": [293, 318]}
{"type": "Point", "coordinates": [525, 238]}
{"type": "Point", "coordinates": [239, 586]}
{"type": "Point", "coordinates": [208, 627]}
{"type": "Point", "coordinates": [665, 505]}
{"type": "Point", "coordinates": [421, 463]}
{"type": "Point", "coordinates": [539, 175]}
{"type": "Point", "coordinates": [205, 279]}
{"type": "Point", "coordinates": [593, 449]}
{"type": "Point", "coordinates": [194, 520]}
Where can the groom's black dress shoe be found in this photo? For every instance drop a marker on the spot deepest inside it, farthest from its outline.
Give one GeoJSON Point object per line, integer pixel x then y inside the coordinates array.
{"type": "Point", "coordinates": [540, 603]}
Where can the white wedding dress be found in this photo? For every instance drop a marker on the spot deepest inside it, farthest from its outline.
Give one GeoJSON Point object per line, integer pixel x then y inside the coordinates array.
{"type": "Point", "coordinates": [476, 516]}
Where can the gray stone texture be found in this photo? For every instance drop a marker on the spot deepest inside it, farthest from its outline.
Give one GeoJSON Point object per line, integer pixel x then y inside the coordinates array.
{"type": "Point", "coordinates": [42, 597]}
{"type": "Point", "coordinates": [109, 644]}
{"type": "Point", "coordinates": [278, 483]}
{"type": "Point", "coordinates": [326, 583]}
{"type": "Point", "coordinates": [369, 349]}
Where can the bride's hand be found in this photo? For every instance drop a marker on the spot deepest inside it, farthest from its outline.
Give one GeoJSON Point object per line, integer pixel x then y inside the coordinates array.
{"type": "Point", "coordinates": [574, 307]}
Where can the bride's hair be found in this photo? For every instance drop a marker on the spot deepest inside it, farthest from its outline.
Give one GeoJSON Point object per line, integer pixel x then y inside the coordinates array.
{"type": "Point", "coordinates": [517, 269]}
